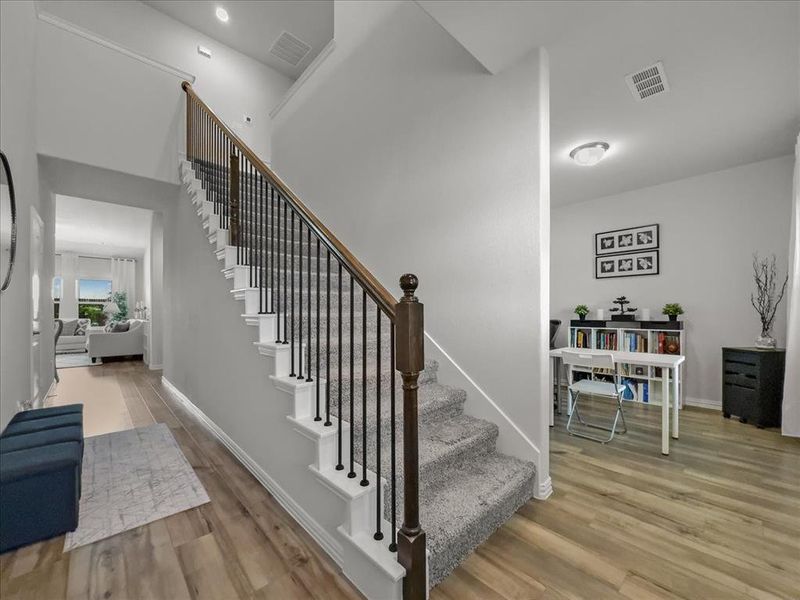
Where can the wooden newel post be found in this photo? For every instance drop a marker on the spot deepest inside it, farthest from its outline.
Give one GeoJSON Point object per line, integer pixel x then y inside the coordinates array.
{"type": "Point", "coordinates": [410, 361]}
{"type": "Point", "coordinates": [234, 201]}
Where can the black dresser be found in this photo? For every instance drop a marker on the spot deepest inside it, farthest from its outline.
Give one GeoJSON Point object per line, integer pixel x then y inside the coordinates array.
{"type": "Point", "coordinates": [752, 385]}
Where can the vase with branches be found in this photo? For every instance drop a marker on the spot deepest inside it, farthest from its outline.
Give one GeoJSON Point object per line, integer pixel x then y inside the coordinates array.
{"type": "Point", "coordinates": [766, 297]}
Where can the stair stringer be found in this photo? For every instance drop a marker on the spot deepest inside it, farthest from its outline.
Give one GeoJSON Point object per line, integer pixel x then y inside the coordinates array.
{"type": "Point", "coordinates": [368, 564]}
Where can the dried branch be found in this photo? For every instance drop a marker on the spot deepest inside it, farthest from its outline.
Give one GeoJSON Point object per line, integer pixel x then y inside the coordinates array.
{"type": "Point", "coordinates": [765, 275]}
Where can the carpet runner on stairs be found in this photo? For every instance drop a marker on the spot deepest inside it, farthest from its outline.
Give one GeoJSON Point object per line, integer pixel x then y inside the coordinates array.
{"type": "Point", "coordinates": [467, 488]}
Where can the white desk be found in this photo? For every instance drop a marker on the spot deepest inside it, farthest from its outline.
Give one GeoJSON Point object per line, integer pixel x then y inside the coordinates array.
{"type": "Point", "coordinates": [667, 363]}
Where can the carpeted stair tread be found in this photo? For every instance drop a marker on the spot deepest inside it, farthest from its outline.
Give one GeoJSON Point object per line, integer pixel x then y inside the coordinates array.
{"type": "Point", "coordinates": [434, 401]}
{"type": "Point", "coordinates": [461, 510]}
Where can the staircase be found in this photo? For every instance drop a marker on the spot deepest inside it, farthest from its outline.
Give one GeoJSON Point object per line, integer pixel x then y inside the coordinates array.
{"type": "Point", "coordinates": [345, 351]}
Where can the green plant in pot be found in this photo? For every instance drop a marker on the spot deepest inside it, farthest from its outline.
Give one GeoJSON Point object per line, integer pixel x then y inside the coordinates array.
{"type": "Point", "coordinates": [581, 310]}
{"type": "Point", "coordinates": [672, 310]}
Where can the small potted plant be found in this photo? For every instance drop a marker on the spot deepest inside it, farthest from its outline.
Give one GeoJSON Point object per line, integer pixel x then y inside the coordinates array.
{"type": "Point", "coordinates": [672, 310]}
{"type": "Point", "coordinates": [582, 310]}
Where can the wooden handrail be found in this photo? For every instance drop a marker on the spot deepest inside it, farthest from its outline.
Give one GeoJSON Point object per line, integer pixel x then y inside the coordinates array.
{"type": "Point", "coordinates": [360, 273]}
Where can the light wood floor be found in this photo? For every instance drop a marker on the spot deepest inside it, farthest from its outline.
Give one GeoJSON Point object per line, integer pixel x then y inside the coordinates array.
{"type": "Point", "coordinates": [718, 519]}
{"type": "Point", "coordinates": [240, 545]}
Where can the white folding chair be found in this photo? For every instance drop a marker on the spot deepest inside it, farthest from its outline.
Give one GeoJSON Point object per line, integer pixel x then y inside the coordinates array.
{"type": "Point", "coordinates": [597, 388]}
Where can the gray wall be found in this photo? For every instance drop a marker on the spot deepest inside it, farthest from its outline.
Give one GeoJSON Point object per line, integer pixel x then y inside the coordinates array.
{"type": "Point", "coordinates": [710, 227]}
{"type": "Point", "coordinates": [18, 141]}
{"type": "Point", "coordinates": [420, 161]}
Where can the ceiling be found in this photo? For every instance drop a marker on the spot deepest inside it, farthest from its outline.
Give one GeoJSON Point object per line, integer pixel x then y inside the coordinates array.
{"type": "Point", "coordinates": [500, 32]}
{"type": "Point", "coordinates": [254, 26]}
{"type": "Point", "coordinates": [100, 228]}
{"type": "Point", "coordinates": [733, 68]}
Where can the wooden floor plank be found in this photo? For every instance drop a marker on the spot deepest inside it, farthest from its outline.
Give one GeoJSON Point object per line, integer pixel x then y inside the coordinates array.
{"type": "Point", "coordinates": [240, 545]}
{"type": "Point", "coordinates": [717, 519]}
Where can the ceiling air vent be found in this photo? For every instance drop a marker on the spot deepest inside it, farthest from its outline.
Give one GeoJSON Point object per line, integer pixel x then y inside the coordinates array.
{"type": "Point", "coordinates": [290, 49]}
{"type": "Point", "coordinates": [648, 82]}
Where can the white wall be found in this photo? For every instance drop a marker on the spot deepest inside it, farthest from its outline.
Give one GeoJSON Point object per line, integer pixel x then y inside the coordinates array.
{"type": "Point", "coordinates": [710, 227]}
{"type": "Point", "coordinates": [18, 141]}
{"type": "Point", "coordinates": [104, 108]}
{"type": "Point", "coordinates": [157, 309]}
{"type": "Point", "coordinates": [420, 161]}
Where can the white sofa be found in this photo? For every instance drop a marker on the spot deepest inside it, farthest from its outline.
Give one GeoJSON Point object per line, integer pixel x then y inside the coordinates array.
{"type": "Point", "coordinates": [125, 343]}
{"type": "Point", "coordinates": [73, 343]}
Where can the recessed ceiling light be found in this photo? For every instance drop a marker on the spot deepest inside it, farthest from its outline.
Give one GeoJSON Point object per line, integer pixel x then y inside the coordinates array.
{"type": "Point", "coordinates": [222, 14]}
{"type": "Point", "coordinates": [587, 155]}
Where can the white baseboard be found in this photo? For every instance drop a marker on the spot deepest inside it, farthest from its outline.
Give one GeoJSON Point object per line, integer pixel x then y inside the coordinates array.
{"type": "Point", "coordinates": [704, 403]}
{"type": "Point", "coordinates": [320, 535]}
{"type": "Point", "coordinates": [544, 489]}
{"type": "Point", "coordinates": [154, 366]}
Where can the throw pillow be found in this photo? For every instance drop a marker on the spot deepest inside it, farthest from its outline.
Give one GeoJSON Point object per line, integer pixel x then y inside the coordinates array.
{"type": "Point", "coordinates": [121, 327]}
{"type": "Point", "coordinates": [69, 327]}
{"type": "Point", "coordinates": [81, 326]}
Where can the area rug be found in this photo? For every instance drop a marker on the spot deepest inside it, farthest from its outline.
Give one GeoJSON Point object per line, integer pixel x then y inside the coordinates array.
{"type": "Point", "coordinates": [79, 359]}
{"type": "Point", "coordinates": [131, 478]}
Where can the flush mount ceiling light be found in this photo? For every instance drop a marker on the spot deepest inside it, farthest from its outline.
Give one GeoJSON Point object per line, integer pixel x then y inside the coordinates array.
{"type": "Point", "coordinates": [587, 155]}
{"type": "Point", "coordinates": [222, 14]}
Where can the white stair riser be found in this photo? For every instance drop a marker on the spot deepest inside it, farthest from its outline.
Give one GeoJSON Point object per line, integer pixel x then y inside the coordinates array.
{"type": "Point", "coordinates": [252, 300]}
{"type": "Point", "coordinates": [267, 328]}
{"type": "Point", "coordinates": [221, 239]}
{"type": "Point", "coordinates": [281, 353]}
{"type": "Point", "coordinates": [371, 582]}
{"type": "Point", "coordinates": [241, 277]}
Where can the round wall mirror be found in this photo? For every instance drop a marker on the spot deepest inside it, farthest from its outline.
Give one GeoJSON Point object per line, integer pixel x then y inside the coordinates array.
{"type": "Point", "coordinates": [8, 223]}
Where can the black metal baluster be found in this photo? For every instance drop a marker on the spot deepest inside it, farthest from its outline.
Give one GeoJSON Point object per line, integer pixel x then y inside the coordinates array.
{"type": "Point", "coordinates": [328, 331]}
{"type": "Point", "coordinates": [276, 225]}
{"type": "Point", "coordinates": [227, 207]}
{"type": "Point", "coordinates": [292, 373]}
{"type": "Point", "coordinates": [319, 293]}
{"type": "Point", "coordinates": [364, 480]}
{"type": "Point", "coordinates": [352, 473]}
{"type": "Point", "coordinates": [238, 200]}
{"type": "Point", "coordinates": [272, 253]}
{"type": "Point", "coordinates": [339, 358]}
{"type": "Point", "coordinates": [285, 271]}
{"type": "Point", "coordinates": [378, 497]}
{"type": "Point", "coordinates": [393, 544]}
{"type": "Point", "coordinates": [308, 361]}
{"type": "Point", "coordinates": [251, 224]}
{"type": "Point", "coordinates": [300, 306]}
{"type": "Point", "coordinates": [339, 464]}
{"type": "Point", "coordinates": [263, 257]}
{"type": "Point", "coordinates": [244, 210]}
{"type": "Point", "coordinates": [216, 172]}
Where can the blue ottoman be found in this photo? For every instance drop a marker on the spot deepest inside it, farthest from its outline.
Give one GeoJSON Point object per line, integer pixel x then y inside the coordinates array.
{"type": "Point", "coordinates": [39, 490]}
{"type": "Point", "coordinates": [57, 435]}
{"type": "Point", "coordinates": [50, 411]}
{"type": "Point", "coordinates": [33, 425]}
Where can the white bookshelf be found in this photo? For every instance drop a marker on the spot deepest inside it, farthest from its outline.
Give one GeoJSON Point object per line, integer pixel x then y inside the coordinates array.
{"type": "Point", "coordinates": [629, 337]}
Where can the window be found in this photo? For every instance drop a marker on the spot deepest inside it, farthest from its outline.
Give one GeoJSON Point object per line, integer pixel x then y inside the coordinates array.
{"type": "Point", "coordinates": [58, 284]}
{"type": "Point", "coordinates": [92, 295]}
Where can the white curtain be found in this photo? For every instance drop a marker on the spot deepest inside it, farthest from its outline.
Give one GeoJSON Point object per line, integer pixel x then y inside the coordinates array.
{"type": "Point", "coordinates": [791, 388]}
{"type": "Point", "coordinates": [123, 279]}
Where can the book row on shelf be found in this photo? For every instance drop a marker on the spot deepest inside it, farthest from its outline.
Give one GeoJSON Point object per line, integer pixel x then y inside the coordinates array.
{"type": "Point", "coordinates": [632, 341]}
{"type": "Point", "coordinates": [635, 342]}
